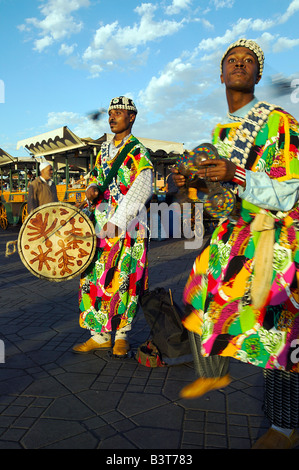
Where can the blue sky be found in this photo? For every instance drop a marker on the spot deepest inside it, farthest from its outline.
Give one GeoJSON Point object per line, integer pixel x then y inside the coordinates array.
{"type": "Point", "coordinates": [62, 59]}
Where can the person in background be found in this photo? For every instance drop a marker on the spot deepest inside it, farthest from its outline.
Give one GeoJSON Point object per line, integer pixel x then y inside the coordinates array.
{"type": "Point", "coordinates": [42, 190]}
{"type": "Point", "coordinates": [171, 189]}
{"type": "Point", "coordinates": [242, 294]}
{"type": "Point", "coordinates": [111, 286]}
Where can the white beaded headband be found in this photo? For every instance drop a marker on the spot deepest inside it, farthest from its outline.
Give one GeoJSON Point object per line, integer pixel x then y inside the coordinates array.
{"type": "Point", "coordinates": [122, 102]}
{"type": "Point", "coordinates": [253, 46]}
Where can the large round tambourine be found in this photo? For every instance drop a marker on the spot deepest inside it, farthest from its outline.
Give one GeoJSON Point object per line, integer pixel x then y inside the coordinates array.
{"type": "Point", "coordinates": [219, 201]}
{"type": "Point", "coordinates": [57, 242]}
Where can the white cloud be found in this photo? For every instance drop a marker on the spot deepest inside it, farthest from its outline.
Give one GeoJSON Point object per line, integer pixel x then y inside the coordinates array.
{"type": "Point", "coordinates": [67, 50]}
{"type": "Point", "coordinates": [80, 125]}
{"type": "Point", "coordinates": [283, 43]}
{"type": "Point", "coordinates": [180, 82]}
{"type": "Point", "coordinates": [57, 23]}
{"type": "Point", "coordinates": [244, 25]}
{"type": "Point", "coordinates": [223, 3]}
{"type": "Point", "coordinates": [112, 42]}
{"type": "Point", "coordinates": [292, 8]}
{"type": "Point", "coordinates": [177, 6]}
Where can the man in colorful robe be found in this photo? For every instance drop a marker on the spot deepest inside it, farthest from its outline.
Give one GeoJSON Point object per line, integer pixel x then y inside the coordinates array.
{"type": "Point", "coordinates": [111, 286]}
{"type": "Point", "coordinates": [242, 293]}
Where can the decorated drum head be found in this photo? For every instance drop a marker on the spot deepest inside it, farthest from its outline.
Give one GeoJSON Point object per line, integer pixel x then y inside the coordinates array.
{"type": "Point", "coordinates": [220, 201]}
{"type": "Point", "coordinates": [57, 242]}
{"type": "Point", "coordinates": [187, 163]}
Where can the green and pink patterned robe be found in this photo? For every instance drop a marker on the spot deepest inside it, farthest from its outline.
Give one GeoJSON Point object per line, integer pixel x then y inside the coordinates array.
{"type": "Point", "coordinates": [110, 287]}
{"type": "Point", "coordinates": [219, 287]}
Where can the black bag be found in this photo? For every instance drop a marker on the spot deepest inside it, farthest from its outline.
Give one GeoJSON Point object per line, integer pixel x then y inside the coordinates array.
{"type": "Point", "coordinates": [167, 332]}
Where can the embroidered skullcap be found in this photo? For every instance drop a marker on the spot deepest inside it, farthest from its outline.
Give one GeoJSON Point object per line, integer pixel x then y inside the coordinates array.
{"type": "Point", "coordinates": [122, 102]}
{"type": "Point", "coordinates": [44, 165]}
{"type": "Point", "coordinates": [250, 44]}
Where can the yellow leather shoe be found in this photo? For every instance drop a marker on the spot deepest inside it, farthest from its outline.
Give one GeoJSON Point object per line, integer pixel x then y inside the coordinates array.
{"type": "Point", "coordinates": [192, 323]}
{"type": "Point", "coordinates": [121, 348]}
{"type": "Point", "coordinates": [274, 439]}
{"type": "Point", "coordinates": [91, 346]}
{"type": "Point", "coordinates": [203, 385]}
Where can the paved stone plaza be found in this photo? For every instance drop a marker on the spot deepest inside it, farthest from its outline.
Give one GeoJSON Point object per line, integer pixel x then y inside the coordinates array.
{"type": "Point", "coordinates": [51, 398]}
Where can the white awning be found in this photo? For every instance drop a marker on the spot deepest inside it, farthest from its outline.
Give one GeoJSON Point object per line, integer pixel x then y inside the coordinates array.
{"type": "Point", "coordinates": [63, 139]}
{"type": "Point", "coordinates": [155, 145]}
{"type": "Point", "coordinates": [49, 143]}
{"type": "Point", "coordinates": [5, 158]}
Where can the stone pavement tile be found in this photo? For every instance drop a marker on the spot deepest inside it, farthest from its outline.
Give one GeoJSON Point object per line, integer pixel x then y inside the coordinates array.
{"type": "Point", "coordinates": [8, 445]}
{"type": "Point", "coordinates": [23, 422]}
{"type": "Point", "coordinates": [168, 416]}
{"type": "Point", "coordinates": [154, 438]}
{"type": "Point", "coordinates": [85, 440]}
{"type": "Point", "coordinates": [104, 432]}
{"type": "Point", "coordinates": [135, 403]}
{"type": "Point", "coordinates": [216, 441]}
{"type": "Point", "coordinates": [33, 412]}
{"type": "Point", "coordinates": [46, 387]}
{"type": "Point", "coordinates": [13, 434]}
{"type": "Point", "coordinates": [13, 410]}
{"type": "Point", "coordinates": [193, 440]}
{"type": "Point", "coordinates": [15, 385]}
{"type": "Point", "coordinates": [116, 442]}
{"type": "Point", "coordinates": [41, 333]}
{"type": "Point", "coordinates": [213, 401]}
{"type": "Point", "coordinates": [123, 425]}
{"type": "Point", "coordinates": [68, 408]}
{"type": "Point", "coordinates": [6, 421]}
{"type": "Point", "coordinates": [194, 415]}
{"type": "Point", "coordinates": [239, 432]}
{"type": "Point", "coordinates": [91, 365]}
{"type": "Point", "coordinates": [240, 402]}
{"type": "Point", "coordinates": [94, 423]}
{"type": "Point", "coordinates": [112, 417]}
{"type": "Point", "coordinates": [47, 431]}
{"type": "Point", "coordinates": [239, 443]}
{"type": "Point", "coordinates": [76, 382]}
{"type": "Point", "coordinates": [99, 401]}
{"type": "Point", "coordinates": [17, 360]}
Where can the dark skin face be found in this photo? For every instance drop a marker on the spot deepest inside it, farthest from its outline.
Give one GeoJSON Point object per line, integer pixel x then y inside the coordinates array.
{"type": "Point", "coordinates": [121, 122]}
{"type": "Point", "coordinates": [240, 74]}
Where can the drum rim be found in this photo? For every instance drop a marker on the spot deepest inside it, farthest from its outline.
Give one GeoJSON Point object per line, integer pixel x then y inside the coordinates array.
{"type": "Point", "coordinates": [87, 262]}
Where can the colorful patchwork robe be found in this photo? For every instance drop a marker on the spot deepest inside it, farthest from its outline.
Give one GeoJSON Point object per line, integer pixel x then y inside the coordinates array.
{"type": "Point", "coordinates": [111, 285]}
{"type": "Point", "coordinates": [220, 287]}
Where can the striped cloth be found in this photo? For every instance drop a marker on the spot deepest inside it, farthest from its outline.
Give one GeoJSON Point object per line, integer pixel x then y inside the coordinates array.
{"type": "Point", "coordinates": [281, 403]}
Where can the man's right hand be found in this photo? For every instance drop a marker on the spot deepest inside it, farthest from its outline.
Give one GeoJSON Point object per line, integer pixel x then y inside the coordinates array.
{"type": "Point", "coordinates": [179, 180]}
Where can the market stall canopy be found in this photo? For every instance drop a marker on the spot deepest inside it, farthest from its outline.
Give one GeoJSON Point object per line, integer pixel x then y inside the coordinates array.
{"type": "Point", "coordinates": [49, 143]}
{"type": "Point", "coordinates": [64, 140]}
{"type": "Point", "coordinates": [5, 158]}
